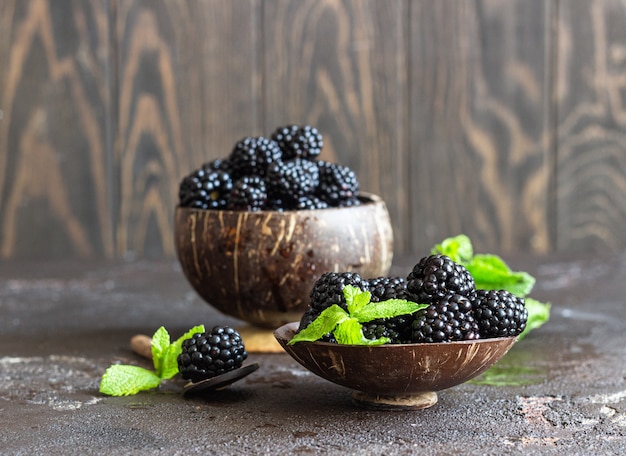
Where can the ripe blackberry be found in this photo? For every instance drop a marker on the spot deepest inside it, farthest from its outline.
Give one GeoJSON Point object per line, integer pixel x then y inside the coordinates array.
{"type": "Point", "coordinates": [447, 320]}
{"type": "Point", "coordinates": [338, 185]}
{"type": "Point", "coordinates": [328, 289]}
{"type": "Point", "coordinates": [299, 141]}
{"type": "Point", "coordinates": [397, 329]}
{"type": "Point", "coordinates": [292, 179]}
{"type": "Point", "coordinates": [248, 194]}
{"type": "Point", "coordinates": [208, 354]}
{"type": "Point", "coordinates": [384, 288]}
{"type": "Point", "coordinates": [205, 189]}
{"type": "Point", "coordinates": [252, 156]}
{"type": "Point", "coordinates": [308, 203]}
{"type": "Point", "coordinates": [499, 313]}
{"type": "Point", "coordinates": [219, 164]}
{"type": "Point", "coordinates": [435, 276]}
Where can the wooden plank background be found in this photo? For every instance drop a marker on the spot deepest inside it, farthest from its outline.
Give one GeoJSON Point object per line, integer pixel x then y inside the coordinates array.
{"type": "Point", "coordinates": [502, 120]}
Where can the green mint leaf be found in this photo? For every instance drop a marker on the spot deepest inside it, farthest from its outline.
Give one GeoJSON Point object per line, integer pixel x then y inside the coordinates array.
{"type": "Point", "coordinates": [349, 331]}
{"type": "Point", "coordinates": [169, 362]}
{"type": "Point", "coordinates": [325, 323]}
{"type": "Point", "coordinates": [355, 298]}
{"type": "Point", "coordinates": [160, 342]}
{"type": "Point", "coordinates": [490, 272]}
{"type": "Point", "coordinates": [387, 309]}
{"type": "Point", "coordinates": [538, 314]}
{"type": "Point", "coordinates": [124, 380]}
{"type": "Point", "coordinates": [458, 248]}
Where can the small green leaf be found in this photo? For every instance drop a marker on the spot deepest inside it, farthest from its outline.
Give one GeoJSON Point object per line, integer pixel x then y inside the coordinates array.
{"type": "Point", "coordinates": [326, 322]}
{"type": "Point", "coordinates": [490, 272]}
{"type": "Point", "coordinates": [538, 314]}
{"type": "Point", "coordinates": [124, 380]}
{"type": "Point", "coordinates": [169, 363]}
{"type": "Point", "coordinates": [458, 248]}
{"type": "Point", "coordinates": [349, 331]}
{"type": "Point", "coordinates": [356, 298]}
{"type": "Point", "coordinates": [387, 309]}
{"type": "Point", "coordinates": [160, 343]}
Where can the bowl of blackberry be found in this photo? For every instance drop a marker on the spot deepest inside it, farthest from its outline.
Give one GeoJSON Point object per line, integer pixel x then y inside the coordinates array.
{"type": "Point", "coordinates": [256, 229]}
{"type": "Point", "coordinates": [397, 341]}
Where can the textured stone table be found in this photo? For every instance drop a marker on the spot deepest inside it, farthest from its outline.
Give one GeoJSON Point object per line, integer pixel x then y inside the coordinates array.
{"type": "Point", "coordinates": [63, 324]}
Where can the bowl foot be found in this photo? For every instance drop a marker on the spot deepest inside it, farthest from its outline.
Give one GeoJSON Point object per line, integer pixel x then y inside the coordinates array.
{"type": "Point", "coordinates": [259, 340]}
{"type": "Point", "coordinates": [400, 402]}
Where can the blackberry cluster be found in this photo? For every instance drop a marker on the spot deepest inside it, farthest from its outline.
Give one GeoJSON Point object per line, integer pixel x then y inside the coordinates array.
{"type": "Point", "coordinates": [450, 318]}
{"type": "Point", "coordinates": [499, 313]}
{"type": "Point", "coordinates": [435, 276]}
{"type": "Point", "coordinates": [287, 164]}
{"type": "Point", "coordinates": [208, 354]}
{"type": "Point", "coordinates": [328, 289]}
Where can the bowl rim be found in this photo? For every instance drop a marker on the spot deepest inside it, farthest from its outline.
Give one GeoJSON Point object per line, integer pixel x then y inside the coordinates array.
{"type": "Point", "coordinates": [366, 198]}
{"type": "Point", "coordinates": [281, 334]}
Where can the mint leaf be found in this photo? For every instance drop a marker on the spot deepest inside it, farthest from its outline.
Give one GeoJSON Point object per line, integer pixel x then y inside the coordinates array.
{"type": "Point", "coordinates": [355, 298]}
{"type": "Point", "coordinates": [538, 314]}
{"type": "Point", "coordinates": [124, 380]}
{"type": "Point", "coordinates": [160, 344]}
{"type": "Point", "coordinates": [387, 309]}
{"type": "Point", "coordinates": [458, 248]}
{"type": "Point", "coordinates": [349, 331]}
{"type": "Point", "coordinates": [169, 361]}
{"type": "Point", "coordinates": [326, 322]}
{"type": "Point", "coordinates": [490, 272]}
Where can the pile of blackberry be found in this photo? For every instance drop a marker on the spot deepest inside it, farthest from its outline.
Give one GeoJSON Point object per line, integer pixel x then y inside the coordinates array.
{"type": "Point", "coordinates": [279, 173]}
{"type": "Point", "coordinates": [456, 309]}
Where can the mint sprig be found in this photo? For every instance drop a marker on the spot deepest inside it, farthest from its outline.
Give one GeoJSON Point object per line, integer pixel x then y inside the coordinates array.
{"type": "Point", "coordinates": [490, 272]}
{"type": "Point", "coordinates": [125, 380]}
{"type": "Point", "coordinates": [347, 327]}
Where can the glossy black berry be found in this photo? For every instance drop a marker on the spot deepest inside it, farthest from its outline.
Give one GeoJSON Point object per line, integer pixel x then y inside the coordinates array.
{"type": "Point", "coordinates": [299, 141]}
{"type": "Point", "coordinates": [252, 156]}
{"type": "Point", "coordinates": [293, 179]}
{"type": "Point", "coordinates": [205, 189]}
{"type": "Point", "coordinates": [449, 319]}
{"type": "Point", "coordinates": [328, 289]}
{"type": "Point", "coordinates": [248, 194]}
{"type": "Point", "coordinates": [435, 276]}
{"type": "Point", "coordinates": [208, 354]}
{"type": "Point", "coordinates": [499, 313]}
{"type": "Point", "coordinates": [338, 185]}
{"type": "Point", "coordinates": [384, 288]}
{"type": "Point", "coordinates": [397, 329]}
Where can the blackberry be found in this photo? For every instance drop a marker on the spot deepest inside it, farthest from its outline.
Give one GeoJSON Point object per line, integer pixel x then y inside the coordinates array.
{"type": "Point", "coordinates": [308, 203]}
{"type": "Point", "coordinates": [252, 156]}
{"type": "Point", "coordinates": [499, 313]}
{"type": "Point", "coordinates": [328, 289]}
{"type": "Point", "coordinates": [397, 329]}
{"type": "Point", "coordinates": [435, 276]}
{"type": "Point", "coordinates": [205, 189]}
{"type": "Point", "coordinates": [338, 184]}
{"type": "Point", "coordinates": [219, 164]}
{"type": "Point", "coordinates": [299, 141]}
{"type": "Point", "coordinates": [249, 193]}
{"type": "Point", "coordinates": [384, 288]}
{"type": "Point", "coordinates": [447, 320]}
{"type": "Point", "coordinates": [292, 179]}
{"type": "Point", "coordinates": [208, 354]}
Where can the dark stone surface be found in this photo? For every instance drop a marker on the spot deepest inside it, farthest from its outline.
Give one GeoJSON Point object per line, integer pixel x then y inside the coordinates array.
{"type": "Point", "coordinates": [63, 324]}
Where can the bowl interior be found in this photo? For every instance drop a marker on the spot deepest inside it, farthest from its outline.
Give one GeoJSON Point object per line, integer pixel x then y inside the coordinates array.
{"type": "Point", "coordinates": [396, 369]}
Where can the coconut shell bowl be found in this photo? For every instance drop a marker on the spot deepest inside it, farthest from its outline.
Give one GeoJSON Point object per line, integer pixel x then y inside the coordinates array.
{"type": "Point", "coordinates": [395, 376]}
{"type": "Point", "coordinates": [260, 267]}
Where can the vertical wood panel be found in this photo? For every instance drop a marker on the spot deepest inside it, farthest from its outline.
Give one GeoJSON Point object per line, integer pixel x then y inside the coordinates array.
{"type": "Point", "coordinates": [341, 66]}
{"type": "Point", "coordinates": [480, 123]}
{"type": "Point", "coordinates": [55, 100]}
{"type": "Point", "coordinates": [187, 91]}
{"type": "Point", "coordinates": [591, 125]}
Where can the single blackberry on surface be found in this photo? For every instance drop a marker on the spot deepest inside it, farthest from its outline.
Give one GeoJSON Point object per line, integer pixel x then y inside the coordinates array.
{"type": "Point", "coordinates": [252, 156]}
{"type": "Point", "coordinates": [435, 276]}
{"type": "Point", "coordinates": [299, 141]}
{"type": "Point", "coordinates": [292, 179]}
{"type": "Point", "coordinates": [338, 185]}
{"type": "Point", "coordinates": [499, 313]}
{"type": "Point", "coordinates": [205, 189]}
{"type": "Point", "coordinates": [447, 320]}
{"type": "Point", "coordinates": [248, 194]}
{"type": "Point", "coordinates": [384, 288]}
{"type": "Point", "coordinates": [397, 329]}
{"type": "Point", "coordinates": [328, 289]}
{"type": "Point", "coordinates": [208, 354]}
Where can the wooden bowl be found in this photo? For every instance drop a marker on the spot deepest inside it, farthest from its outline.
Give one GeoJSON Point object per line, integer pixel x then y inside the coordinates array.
{"type": "Point", "coordinates": [396, 376]}
{"type": "Point", "coordinates": [260, 266]}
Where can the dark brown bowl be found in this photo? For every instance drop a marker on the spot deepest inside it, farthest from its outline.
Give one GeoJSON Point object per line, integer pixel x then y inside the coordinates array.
{"type": "Point", "coordinates": [260, 266]}
{"type": "Point", "coordinates": [405, 376]}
